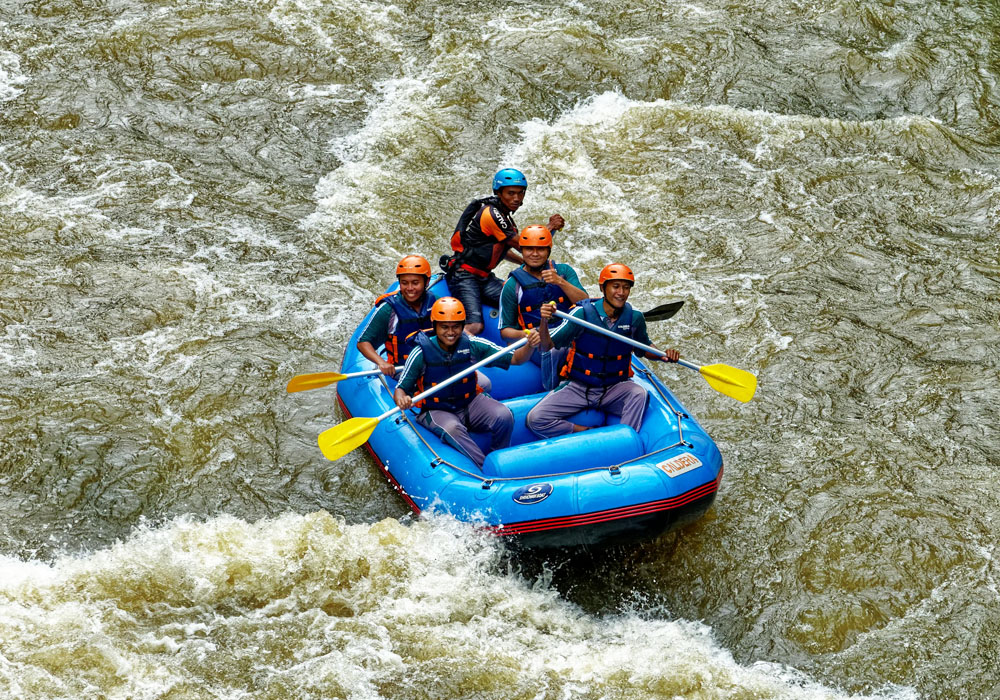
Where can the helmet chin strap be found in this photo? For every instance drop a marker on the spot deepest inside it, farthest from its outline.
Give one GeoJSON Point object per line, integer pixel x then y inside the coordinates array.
{"type": "Point", "coordinates": [532, 269]}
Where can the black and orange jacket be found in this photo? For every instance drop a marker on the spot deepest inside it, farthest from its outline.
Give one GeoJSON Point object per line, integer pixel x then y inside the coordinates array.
{"type": "Point", "coordinates": [485, 232]}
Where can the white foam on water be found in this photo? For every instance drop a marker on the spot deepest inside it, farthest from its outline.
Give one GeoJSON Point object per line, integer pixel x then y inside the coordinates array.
{"type": "Point", "coordinates": [332, 317]}
{"type": "Point", "coordinates": [402, 114]}
{"type": "Point", "coordinates": [113, 180]}
{"type": "Point", "coordinates": [540, 24]}
{"type": "Point", "coordinates": [607, 113]}
{"type": "Point", "coordinates": [328, 93]}
{"type": "Point", "coordinates": [376, 22]}
{"type": "Point", "coordinates": [581, 150]}
{"type": "Point", "coordinates": [307, 606]}
{"type": "Point", "coordinates": [67, 212]}
{"type": "Point", "coordinates": [12, 80]}
{"type": "Point", "coordinates": [595, 156]}
{"type": "Point", "coordinates": [17, 349]}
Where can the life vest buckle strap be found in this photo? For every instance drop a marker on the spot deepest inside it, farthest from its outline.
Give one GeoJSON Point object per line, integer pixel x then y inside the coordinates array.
{"type": "Point", "coordinates": [482, 274]}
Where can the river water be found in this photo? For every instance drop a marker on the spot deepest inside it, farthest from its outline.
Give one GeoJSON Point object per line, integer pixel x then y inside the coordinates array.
{"type": "Point", "coordinates": [201, 199]}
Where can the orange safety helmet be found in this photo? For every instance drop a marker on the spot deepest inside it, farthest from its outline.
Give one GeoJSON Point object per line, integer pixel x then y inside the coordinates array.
{"type": "Point", "coordinates": [537, 236]}
{"type": "Point", "coordinates": [615, 271]}
{"type": "Point", "coordinates": [448, 309]}
{"type": "Point", "coordinates": [414, 265]}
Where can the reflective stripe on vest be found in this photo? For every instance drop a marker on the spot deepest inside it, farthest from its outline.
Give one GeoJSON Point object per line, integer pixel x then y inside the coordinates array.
{"type": "Point", "coordinates": [596, 360]}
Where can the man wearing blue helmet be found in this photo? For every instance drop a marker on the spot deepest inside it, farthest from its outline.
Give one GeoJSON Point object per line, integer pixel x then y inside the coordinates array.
{"type": "Point", "coordinates": [485, 235]}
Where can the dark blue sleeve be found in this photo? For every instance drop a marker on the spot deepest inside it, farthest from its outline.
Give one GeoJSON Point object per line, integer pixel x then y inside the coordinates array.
{"type": "Point", "coordinates": [639, 331]}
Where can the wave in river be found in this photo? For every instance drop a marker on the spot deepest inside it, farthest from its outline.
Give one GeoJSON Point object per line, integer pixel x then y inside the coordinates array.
{"type": "Point", "coordinates": [309, 607]}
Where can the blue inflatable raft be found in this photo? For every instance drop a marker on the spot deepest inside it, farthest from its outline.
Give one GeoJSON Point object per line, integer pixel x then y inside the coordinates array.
{"type": "Point", "coordinates": [602, 486]}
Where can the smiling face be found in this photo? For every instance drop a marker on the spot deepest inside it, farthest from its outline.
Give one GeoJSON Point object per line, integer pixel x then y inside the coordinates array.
{"type": "Point", "coordinates": [511, 197]}
{"type": "Point", "coordinates": [535, 256]}
{"type": "Point", "coordinates": [412, 287]}
{"type": "Point", "coordinates": [448, 333]}
{"type": "Point", "coordinates": [616, 293]}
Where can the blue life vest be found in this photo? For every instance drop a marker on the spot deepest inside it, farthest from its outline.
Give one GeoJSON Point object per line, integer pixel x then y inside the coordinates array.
{"type": "Point", "coordinates": [400, 342]}
{"type": "Point", "coordinates": [595, 359]}
{"type": "Point", "coordinates": [534, 293]}
{"type": "Point", "coordinates": [438, 366]}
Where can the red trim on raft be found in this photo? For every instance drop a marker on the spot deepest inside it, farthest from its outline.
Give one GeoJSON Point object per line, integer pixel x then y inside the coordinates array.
{"type": "Point", "coordinates": [566, 521]}
{"type": "Point", "coordinates": [385, 471]}
{"type": "Point", "coordinates": [612, 514]}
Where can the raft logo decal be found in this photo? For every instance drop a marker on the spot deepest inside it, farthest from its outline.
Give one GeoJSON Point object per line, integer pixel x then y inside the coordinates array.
{"type": "Point", "coordinates": [675, 466]}
{"type": "Point", "coordinates": [535, 493]}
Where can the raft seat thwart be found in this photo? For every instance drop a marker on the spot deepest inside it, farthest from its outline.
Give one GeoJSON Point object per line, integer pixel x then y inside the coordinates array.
{"type": "Point", "coordinates": [591, 449]}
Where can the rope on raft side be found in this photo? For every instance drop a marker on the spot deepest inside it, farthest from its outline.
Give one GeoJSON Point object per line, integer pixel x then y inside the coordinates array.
{"type": "Point", "coordinates": [439, 460]}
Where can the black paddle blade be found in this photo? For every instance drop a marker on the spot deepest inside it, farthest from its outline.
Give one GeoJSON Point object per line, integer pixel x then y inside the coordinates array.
{"type": "Point", "coordinates": [663, 311]}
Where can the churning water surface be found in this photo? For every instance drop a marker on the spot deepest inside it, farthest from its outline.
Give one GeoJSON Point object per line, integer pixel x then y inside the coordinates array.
{"type": "Point", "coordinates": [200, 199]}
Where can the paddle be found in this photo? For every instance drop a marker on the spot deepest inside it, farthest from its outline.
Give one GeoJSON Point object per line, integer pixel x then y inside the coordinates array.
{"type": "Point", "coordinates": [337, 441]}
{"type": "Point", "coordinates": [663, 311]}
{"type": "Point", "coordinates": [736, 383]}
{"type": "Point", "coordinates": [305, 382]}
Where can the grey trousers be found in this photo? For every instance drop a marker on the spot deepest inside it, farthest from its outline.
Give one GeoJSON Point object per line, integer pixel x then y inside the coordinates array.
{"type": "Point", "coordinates": [548, 418]}
{"type": "Point", "coordinates": [484, 414]}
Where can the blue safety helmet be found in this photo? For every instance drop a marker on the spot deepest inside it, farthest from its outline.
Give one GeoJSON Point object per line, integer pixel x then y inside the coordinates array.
{"type": "Point", "coordinates": [508, 177]}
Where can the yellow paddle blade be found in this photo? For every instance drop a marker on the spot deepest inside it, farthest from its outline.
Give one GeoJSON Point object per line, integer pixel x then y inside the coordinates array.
{"type": "Point", "coordinates": [737, 383]}
{"type": "Point", "coordinates": [341, 439]}
{"type": "Point", "coordinates": [304, 382]}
